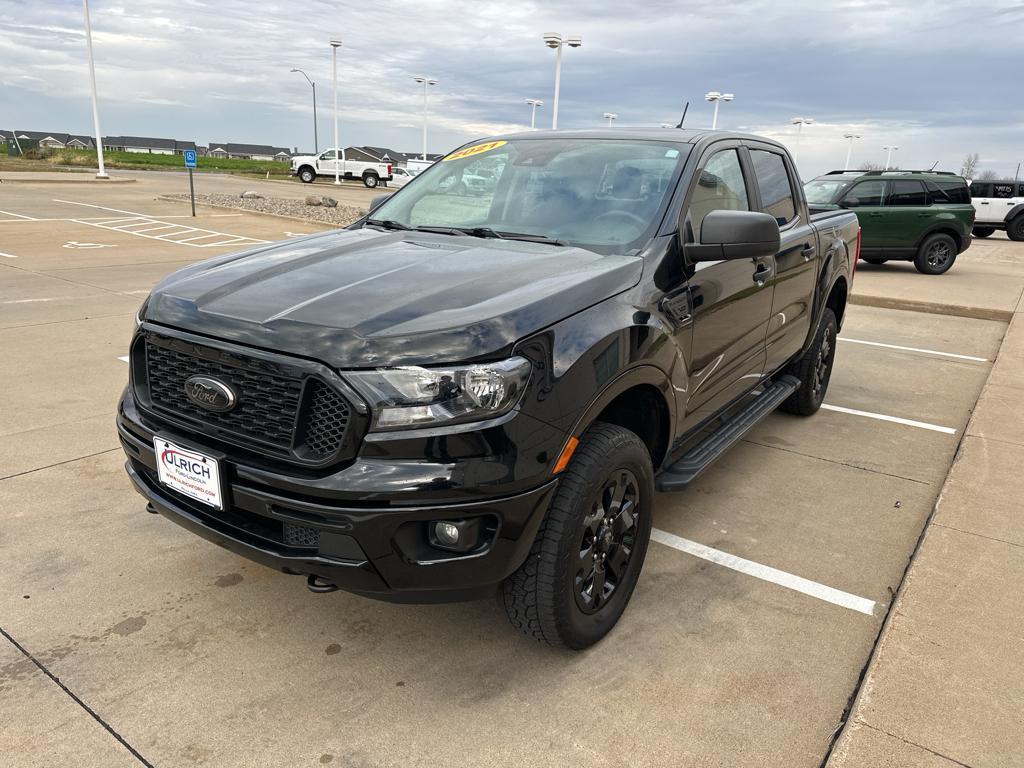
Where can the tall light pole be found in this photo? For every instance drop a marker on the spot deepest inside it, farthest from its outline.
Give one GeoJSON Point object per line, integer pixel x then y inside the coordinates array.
{"type": "Point", "coordinates": [554, 40]}
{"type": "Point", "coordinates": [800, 122]}
{"type": "Point", "coordinates": [316, 141]}
{"type": "Point", "coordinates": [717, 98]}
{"type": "Point", "coordinates": [888, 157]}
{"type": "Point", "coordinates": [425, 81]}
{"type": "Point", "coordinates": [102, 174]}
{"type": "Point", "coordinates": [609, 116]}
{"type": "Point", "coordinates": [849, 149]}
{"type": "Point", "coordinates": [534, 103]}
{"type": "Point", "coordinates": [335, 45]}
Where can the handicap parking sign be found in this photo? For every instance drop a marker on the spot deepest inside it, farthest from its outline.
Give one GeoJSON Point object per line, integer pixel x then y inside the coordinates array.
{"type": "Point", "coordinates": [190, 158]}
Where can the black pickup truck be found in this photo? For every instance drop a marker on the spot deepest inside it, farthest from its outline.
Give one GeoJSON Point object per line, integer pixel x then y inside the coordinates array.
{"type": "Point", "coordinates": [477, 389]}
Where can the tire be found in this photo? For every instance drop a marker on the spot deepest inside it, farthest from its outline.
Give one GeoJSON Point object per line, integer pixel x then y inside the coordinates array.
{"type": "Point", "coordinates": [936, 254]}
{"type": "Point", "coordinates": [371, 180]}
{"type": "Point", "coordinates": [983, 231]}
{"type": "Point", "coordinates": [876, 262]}
{"type": "Point", "coordinates": [551, 598]}
{"type": "Point", "coordinates": [814, 369]}
{"type": "Point", "coordinates": [307, 175]}
{"type": "Point", "coordinates": [1015, 228]}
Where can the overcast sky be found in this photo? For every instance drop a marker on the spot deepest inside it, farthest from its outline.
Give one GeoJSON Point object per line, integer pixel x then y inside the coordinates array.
{"type": "Point", "coordinates": [938, 79]}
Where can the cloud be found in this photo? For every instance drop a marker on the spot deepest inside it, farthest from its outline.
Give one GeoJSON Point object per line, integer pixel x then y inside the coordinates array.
{"type": "Point", "coordinates": [939, 83]}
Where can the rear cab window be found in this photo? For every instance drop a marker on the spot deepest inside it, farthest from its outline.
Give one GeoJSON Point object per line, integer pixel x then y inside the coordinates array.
{"type": "Point", "coordinates": [949, 192]}
{"type": "Point", "coordinates": [775, 186]}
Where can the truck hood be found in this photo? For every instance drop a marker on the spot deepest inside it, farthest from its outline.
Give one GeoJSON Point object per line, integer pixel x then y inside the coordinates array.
{"type": "Point", "coordinates": [364, 298]}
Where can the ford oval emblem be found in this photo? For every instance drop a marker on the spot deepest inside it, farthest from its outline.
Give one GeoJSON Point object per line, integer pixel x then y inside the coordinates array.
{"type": "Point", "coordinates": [210, 393]}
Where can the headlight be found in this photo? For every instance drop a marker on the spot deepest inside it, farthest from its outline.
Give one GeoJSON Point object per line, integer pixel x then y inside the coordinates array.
{"type": "Point", "coordinates": [414, 397]}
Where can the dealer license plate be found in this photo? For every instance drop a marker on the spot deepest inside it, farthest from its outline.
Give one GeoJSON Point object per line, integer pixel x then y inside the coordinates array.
{"type": "Point", "coordinates": [189, 472]}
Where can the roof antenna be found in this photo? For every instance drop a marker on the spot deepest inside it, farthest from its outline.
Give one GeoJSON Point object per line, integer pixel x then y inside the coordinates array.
{"type": "Point", "coordinates": [681, 119]}
{"type": "Point", "coordinates": [933, 166]}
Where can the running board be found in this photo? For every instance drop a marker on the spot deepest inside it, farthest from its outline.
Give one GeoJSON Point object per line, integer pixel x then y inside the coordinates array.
{"type": "Point", "coordinates": [679, 475]}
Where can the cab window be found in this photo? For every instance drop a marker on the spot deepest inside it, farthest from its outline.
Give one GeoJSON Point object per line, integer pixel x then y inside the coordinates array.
{"type": "Point", "coordinates": [720, 186]}
{"type": "Point", "coordinates": [331, 154]}
{"type": "Point", "coordinates": [777, 198]}
{"type": "Point", "coordinates": [1002, 191]}
{"type": "Point", "coordinates": [981, 189]}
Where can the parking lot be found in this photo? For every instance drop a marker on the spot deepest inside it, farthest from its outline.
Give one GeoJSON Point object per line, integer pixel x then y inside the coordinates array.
{"type": "Point", "coordinates": [129, 641]}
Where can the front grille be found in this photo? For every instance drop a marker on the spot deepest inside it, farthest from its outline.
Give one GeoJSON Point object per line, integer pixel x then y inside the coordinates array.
{"type": "Point", "coordinates": [301, 536]}
{"type": "Point", "coordinates": [296, 416]}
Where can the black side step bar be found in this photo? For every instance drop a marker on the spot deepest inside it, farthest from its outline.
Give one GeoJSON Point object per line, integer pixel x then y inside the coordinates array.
{"type": "Point", "coordinates": [679, 475]}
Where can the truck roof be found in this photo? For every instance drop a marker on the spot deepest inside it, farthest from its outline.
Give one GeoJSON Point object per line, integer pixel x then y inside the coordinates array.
{"type": "Point", "coordinates": [641, 133]}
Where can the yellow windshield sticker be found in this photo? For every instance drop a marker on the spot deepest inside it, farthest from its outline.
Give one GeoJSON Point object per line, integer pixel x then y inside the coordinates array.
{"type": "Point", "coordinates": [476, 149]}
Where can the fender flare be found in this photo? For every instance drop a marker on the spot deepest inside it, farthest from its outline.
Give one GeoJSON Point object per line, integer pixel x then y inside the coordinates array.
{"type": "Point", "coordinates": [942, 227]}
{"type": "Point", "coordinates": [1016, 211]}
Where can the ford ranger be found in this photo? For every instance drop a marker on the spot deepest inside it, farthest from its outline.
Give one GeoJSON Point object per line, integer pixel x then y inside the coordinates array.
{"type": "Point", "coordinates": [471, 393]}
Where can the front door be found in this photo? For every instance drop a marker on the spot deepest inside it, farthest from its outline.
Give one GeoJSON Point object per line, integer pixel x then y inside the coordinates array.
{"type": "Point", "coordinates": [327, 163]}
{"type": "Point", "coordinates": [731, 300]}
{"type": "Point", "coordinates": [981, 198]}
{"type": "Point", "coordinates": [865, 198]}
{"type": "Point", "coordinates": [906, 218]}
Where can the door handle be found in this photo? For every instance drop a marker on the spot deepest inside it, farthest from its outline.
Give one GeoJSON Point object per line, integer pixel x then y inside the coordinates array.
{"type": "Point", "coordinates": [762, 273]}
{"type": "Point", "coordinates": [875, 215]}
{"type": "Point", "coordinates": [808, 252]}
{"type": "Point", "coordinates": [984, 203]}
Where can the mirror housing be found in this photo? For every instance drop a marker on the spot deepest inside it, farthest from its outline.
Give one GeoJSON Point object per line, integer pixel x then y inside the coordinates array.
{"type": "Point", "coordinates": [376, 202]}
{"type": "Point", "coordinates": [735, 235]}
{"type": "Point", "coordinates": [850, 202]}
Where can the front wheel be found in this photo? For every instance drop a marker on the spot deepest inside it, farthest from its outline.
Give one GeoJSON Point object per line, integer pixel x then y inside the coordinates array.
{"type": "Point", "coordinates": [936, 254]}
{"type": "Point", "coordinates": [307, 175]}
{"type": "Point", "coordinates": [814, 369]}
{"type": "Point", "coordinates": [586, 559]}
{"type": "Point", "coordinates": [983, 231]}
{"type": "Point", "coordinates": [371, 180]}
{"type": "Point", "coordinates": [1015, 228]}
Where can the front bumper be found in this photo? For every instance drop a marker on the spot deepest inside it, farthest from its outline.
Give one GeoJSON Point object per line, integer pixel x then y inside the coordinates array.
{"type": "Point", "coordinates": [376, 548]}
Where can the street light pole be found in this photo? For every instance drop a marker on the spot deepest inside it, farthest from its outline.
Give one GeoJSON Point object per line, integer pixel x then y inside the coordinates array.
{"type": "Point", "coordinates": [717, 97]}
{"type": "Point", "coordinates": [533, 113]}
{"type": "Point", "coordinates": [554, 40]}
{"type": "Point", "coordinates": [849, 150]}
{"type": "Point", "coordinates": [425, 81]}
{"type": "Point", "coordinates": [316, 141]}
{"type": "Point", "coordinates": [335, 45]}
{"type": "Point", "coordinates": [888, 157]}
{"type": "Point", "coordinates": [800, 122]}
{"type": "Point", "coordinates": [609, 116]}
{"type": "Point", "coordinates": [102, 174]}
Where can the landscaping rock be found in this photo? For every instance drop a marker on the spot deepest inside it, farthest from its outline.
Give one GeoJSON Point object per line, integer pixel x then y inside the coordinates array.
{"type": "Point", "coordinates": [313, 200]}
{"type": "Point", "coordinates": [329, 202]}
{"type": "Point", "coordinates": [338, 215]}
{"type": "Point", "coordinates": [250, 195]}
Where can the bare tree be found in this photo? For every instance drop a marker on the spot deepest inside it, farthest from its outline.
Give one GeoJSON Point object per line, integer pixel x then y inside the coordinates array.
{"type": "Point", "coordinates": [870, 166]}
{"type": "Point", "coordinates": [987, 176]}
{"type": "Point", "coordinates": [969, 167]}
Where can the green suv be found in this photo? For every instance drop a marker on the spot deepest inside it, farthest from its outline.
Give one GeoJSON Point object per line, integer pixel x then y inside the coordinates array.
{"type": "Point", "coordinates": [920, 216]}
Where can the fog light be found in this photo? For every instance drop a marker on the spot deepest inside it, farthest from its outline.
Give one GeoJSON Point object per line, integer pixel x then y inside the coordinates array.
{"type": "Point", "coordinates": [446, 533]}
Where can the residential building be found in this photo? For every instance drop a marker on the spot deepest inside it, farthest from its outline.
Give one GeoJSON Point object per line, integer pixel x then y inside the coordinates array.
{"type": "Point", "coordinates": [146, 145]}
{"type": "Point", "coordinates": [248, 151]}
{"type": "Point", "coordinates": [54, 140]}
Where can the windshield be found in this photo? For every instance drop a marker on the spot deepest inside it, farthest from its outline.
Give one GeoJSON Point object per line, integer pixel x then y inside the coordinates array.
{"type": "Point", "coordinates": [606, 195]}
{"type": "Point", "coordinates": [825, 191]}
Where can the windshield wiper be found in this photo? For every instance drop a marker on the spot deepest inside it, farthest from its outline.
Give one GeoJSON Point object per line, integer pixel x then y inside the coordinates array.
{"type": "Point", "coordinates": [441, 230]}
{"type": "Point", "coordinates": [387, 224]}
{"type": "Point", "coordinates": [526, 237]}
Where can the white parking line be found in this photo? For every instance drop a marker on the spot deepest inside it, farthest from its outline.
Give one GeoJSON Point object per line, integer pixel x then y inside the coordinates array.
{"type": "Point", "coordinates": [914, 349]}
{"type": "Point", "coordinates": [893, 419]}
{"type": "Point", "coordinates": [8, 255]}
{"type": "Point", "coordinates": [123, 359]}
{"type": "Point", "coordinates": [17, 215]}
{"type": "Point", "coordinates": [766, 573]}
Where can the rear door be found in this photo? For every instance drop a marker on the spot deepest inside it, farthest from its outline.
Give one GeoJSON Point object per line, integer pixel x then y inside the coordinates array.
{"type": "Point", "coordinates": [865, 198]}
{"type": "Point", "coordinates": [981, 197]}
{"type": "Point", "coordinates": [906, 217]}
{"type": "Point", "coordinates": [1002, 199]}
{"type": "Point", "coordinates": [731, 300]}
{"type": "Point", "coordinates": [797, 260]}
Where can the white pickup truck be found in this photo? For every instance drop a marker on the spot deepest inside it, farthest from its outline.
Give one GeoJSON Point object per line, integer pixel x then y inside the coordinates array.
{"type": "Point", "coordinates": [308, 167]}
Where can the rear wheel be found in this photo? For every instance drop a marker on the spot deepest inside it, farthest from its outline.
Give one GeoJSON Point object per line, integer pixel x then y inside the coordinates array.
{"type": "Point", "coordinates": [814, 369]}
{"type": "Point", "coordinates": [876, 262]}
{"type": "Point", "coordinates": [307, 175]}
{"type": "Point", "coordinates": [586, 559]}
{"type": "Point", "coordinates": [371, 180]}
{"type": "Point", "coordinates": [936, 254]}
{"type": "Point", "coordinates": [1015, 228]}
{"type": "Point", "coordinates": [983, 231]}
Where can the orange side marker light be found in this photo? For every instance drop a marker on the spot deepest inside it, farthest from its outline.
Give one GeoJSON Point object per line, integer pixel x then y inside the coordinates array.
{"type": "Point", "coordinates": [565, 455]}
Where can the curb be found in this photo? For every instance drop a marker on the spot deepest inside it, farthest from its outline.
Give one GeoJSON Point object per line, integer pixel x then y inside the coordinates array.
{"type": "Point", "coordinates": [933, 308]}
{"type": "Point", "coordinates": [170, 199]}
{"type": "Point", "coordinates": [89, 180]}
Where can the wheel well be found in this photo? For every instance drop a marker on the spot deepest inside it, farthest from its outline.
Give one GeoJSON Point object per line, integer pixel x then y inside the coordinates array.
{"type": "Point", "coordinates": [951, 232]}
{"type": "Point", "coordinates": [837, 300]}
{"type": "Point", "coordinates": [306, 167]}
{"type": "Point", "coordinates": [642, 410]}
{"type": "Point", "coordinates": [370, 173]}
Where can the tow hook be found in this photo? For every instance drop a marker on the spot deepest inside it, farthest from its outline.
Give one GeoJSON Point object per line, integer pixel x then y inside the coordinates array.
{"type": "Point", "coordinates": [315, 584]}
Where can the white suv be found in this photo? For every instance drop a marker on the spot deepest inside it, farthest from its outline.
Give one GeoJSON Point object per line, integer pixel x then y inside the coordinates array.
{"type": "Point", "coordinates": [998, 205]}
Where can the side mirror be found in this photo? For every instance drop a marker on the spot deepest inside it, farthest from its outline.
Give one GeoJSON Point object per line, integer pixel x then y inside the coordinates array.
{"type": "Point", "coordinates": [377, 201]}
{"type": "Point", "coordinates": [850, 202]}
{"type": "Point", "coordinates": [735, 235]}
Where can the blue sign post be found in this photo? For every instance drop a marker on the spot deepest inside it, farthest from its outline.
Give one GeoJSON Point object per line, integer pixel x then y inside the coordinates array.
{"type": "Point", "coordinates": [190, 163]}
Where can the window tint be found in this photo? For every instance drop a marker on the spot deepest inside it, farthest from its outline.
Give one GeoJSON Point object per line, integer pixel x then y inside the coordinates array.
{"type": "Point", "coordinates": [773, 182]}
{"type": "Point", "coordinates": [905, 192]}
{"type": "Point", "coordinates": [719, 186]}
{"type": "Point", "coordinates": [865, 193]}
{"type": "Point", "coordinates": [956, 191]}
{"type": "Point", "coordinates": [981, 189]}
{"type": "Point", "coordinates": [1002, 190]}
{"type": "Point", "coordinates": [1020, 190]}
